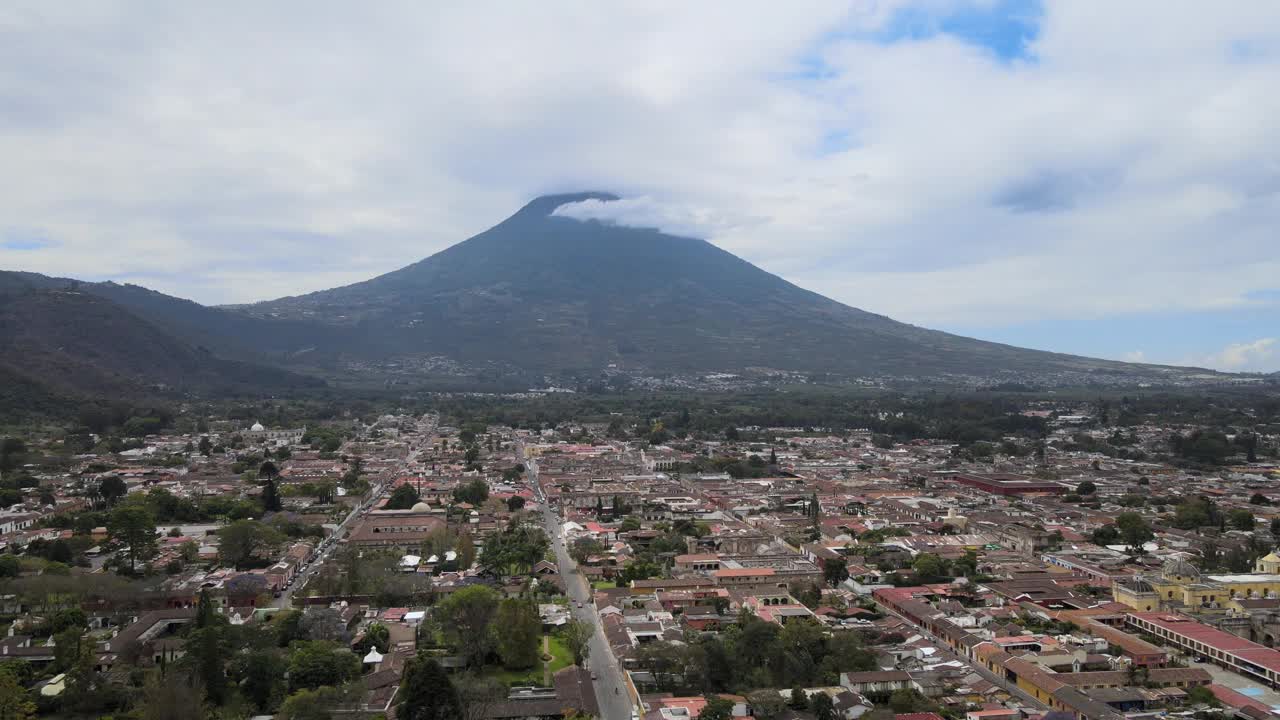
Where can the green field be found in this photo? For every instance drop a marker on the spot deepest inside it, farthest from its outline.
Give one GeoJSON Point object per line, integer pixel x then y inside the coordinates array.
{"type": "Point", "coordinates": [560, 658]}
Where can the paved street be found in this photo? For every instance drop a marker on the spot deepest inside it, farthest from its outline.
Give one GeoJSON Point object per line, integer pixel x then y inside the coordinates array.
{"type": "Point", "coordinates": [612, 693]}
{"type": "Point", "coordinates": [300, 580]}
{"type": "Point", "coordinates": [946, 653]}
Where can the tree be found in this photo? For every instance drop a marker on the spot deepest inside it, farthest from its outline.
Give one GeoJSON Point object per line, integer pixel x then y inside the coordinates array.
{"type": "Point", "coordinates": [466, 616]}
{"type": "Point", "coordinates": [208, 650]}
{"type": "Point", "coordinates": [1106, 535]}
{"type": "Point", "coordinates": [799, 701]}
{"type": "Point", "coordinates": [766, 704]}
{"type": "Point", "coordinates": [12, 451]}
{"type": "Point", "coordinates": [427, 692]}
{"type": "Point", "coordinates": [1241, 519]}
{"type": "Point", "coordinates": [478, 696]}
{"type": "Point", "coordinates": [268, 470]}
{"type": "Point", "coordinates": [1196, 512]}
{"type": "Point", "coordinates": [10, 566]}
{"type": "Point", "coordinates": [658, 433]}
{"type": "Point", "coordinates": [909, 700]}
{"type": "Point", "coordinates": [206, 615]}
{"type": "Point", "coordinates": [1133, 530]}
{"type": "Point", "coordinates": [822, 707]}
{"type": "Point", "coordinates": [665, 661]}
{"type": "Point", "coordinates": [170, 695]}
{"type": "Point", "coordinates": [1086, 488]}
{"type": "Point", "coordinates": [403, 497]}
{"type": "Point", "coordinates": [577, 637]}
{"type": "Point", "coordinates": [1250, 443]}
{"type": "Point", "coordinates": [637, 570]}
{"type": "Point", "coordinates": [242, 540]}
{"type": "Point", "coordinates": [474, 492]}
{"type": "Point", "coordinates": [1259, 499]}
{"type": "Point", "coordinates": [929, 567]}
{"type": "Point", "coordinates": [1210, 556]}
{"type": "Point", "coordinates": [315, 663]}
{"type": "Point", "coordinates": [15, 703]}
{"type": "Point", "coordinates": [515, 502]}
{"type": "Point", "coordinates": [260, 674]}
{"type": "Point", "coordinates": [205, 446]}
{"type": "Point", "coordinates": [68, 618]}
{"type": "Point", "coordinates": [1201, 446]}
{"type": "Point", "coordinates": [514, 550]}
{"type": "Point", "coordinates": [810, 595]}
{"type": "Point", "coordinates": [133, 526]}
{"type": "Point", "coordinates": [1275, 529]}
{"type": "Point", "coordinates": [835, 571]}
{"type": "Point", "coordinates": [583, 548]}
{"type": "Point", "coordinates": [270, 494]}
{"type": "Point", "coordinates": [69, 648]}
{"type": "Point", "coordinates": [520, 633]}
{"type": "Point", "coordinates": [1201, 695]}
{"type": "Point", "coordinates": [466, 549]}
{"type": "Point", "coordinates": [375, 636]}
{"type": "Point", "coordinates": [112, 488]}
{"type": "Point", "coordinates": [717, 708]}
{"type": "Point", "coordinates": [313, 704]}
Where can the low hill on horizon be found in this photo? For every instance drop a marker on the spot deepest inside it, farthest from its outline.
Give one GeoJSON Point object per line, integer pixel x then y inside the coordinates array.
{"type": "Point", "coordinates": [60, 346]}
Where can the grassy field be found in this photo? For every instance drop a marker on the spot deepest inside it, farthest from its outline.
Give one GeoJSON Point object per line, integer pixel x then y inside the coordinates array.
{"type": "Point", "coordinates": [604, 585]}
{"type": "Point", "coordinates": [560, 658]}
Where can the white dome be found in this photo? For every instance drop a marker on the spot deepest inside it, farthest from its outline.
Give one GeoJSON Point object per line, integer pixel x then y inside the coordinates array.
{"type": "Point", "coordinates": [373, 657]}
{"type": "Point", "coordinates": [420, 507]}
{"type": "Point", "coordinates": [257, 427]}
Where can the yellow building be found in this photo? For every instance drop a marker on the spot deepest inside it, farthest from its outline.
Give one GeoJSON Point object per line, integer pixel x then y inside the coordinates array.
{"type": "Point", "coordinates": [1181, 586]}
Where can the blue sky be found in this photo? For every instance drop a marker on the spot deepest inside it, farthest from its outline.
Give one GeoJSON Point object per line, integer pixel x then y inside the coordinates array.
{"type": "Point", "coordinates": [1077, 175]}
{"type": "Point", "coordinates": [1006, 28]}
{"type": "Point", "coordinates": [1180, 338]}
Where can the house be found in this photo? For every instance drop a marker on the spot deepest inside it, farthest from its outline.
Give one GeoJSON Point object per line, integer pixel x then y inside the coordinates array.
{"type": "Point", "coordinates": [403, 532]}
{"type": "Point", "coordinates": [875, 681]}
{"type": "Point", "coordinates": [13, 522]}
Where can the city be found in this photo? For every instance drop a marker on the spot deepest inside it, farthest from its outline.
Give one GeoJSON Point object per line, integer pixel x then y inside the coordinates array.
{"type": "Point", "coordinates": [1103, 569]}
{"type": "Point", "coordinates": [750, 360]}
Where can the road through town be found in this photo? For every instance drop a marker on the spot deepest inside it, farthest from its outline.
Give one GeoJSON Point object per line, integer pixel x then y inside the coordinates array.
{"type": "Point", "coordinates": [612, 692]}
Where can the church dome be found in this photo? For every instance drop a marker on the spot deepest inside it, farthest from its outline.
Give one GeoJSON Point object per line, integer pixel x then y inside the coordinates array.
{"type": "Point", "coordinates": [257, 427]}
{"type": "Point", "coordinates": [1270, 563]}
{"type": "Point", "coordinates": [420, 507]}
{"type": "Point", "coordinates": [1180, 568]}
{"type": "Point", "coordinates": [1139, 585]}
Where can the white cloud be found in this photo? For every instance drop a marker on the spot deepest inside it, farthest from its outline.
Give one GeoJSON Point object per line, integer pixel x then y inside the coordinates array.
{"type": "Point", "coordinates": [1260, 355]}
{"type": "Point", "coordinates": [1136, 356]}
{"type": "Point", "coordinates": [245, 151]}
{"type": "Point", "coordinates": [646, 212]}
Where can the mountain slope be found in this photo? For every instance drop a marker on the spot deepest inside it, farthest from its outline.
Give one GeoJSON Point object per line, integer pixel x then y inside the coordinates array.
{"type": "Point", "coordinates": [547, 293]}
{"type": "Point", "coordinates": [228, 333]}
{"type": "Point", "coordinates": [60, 344]}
